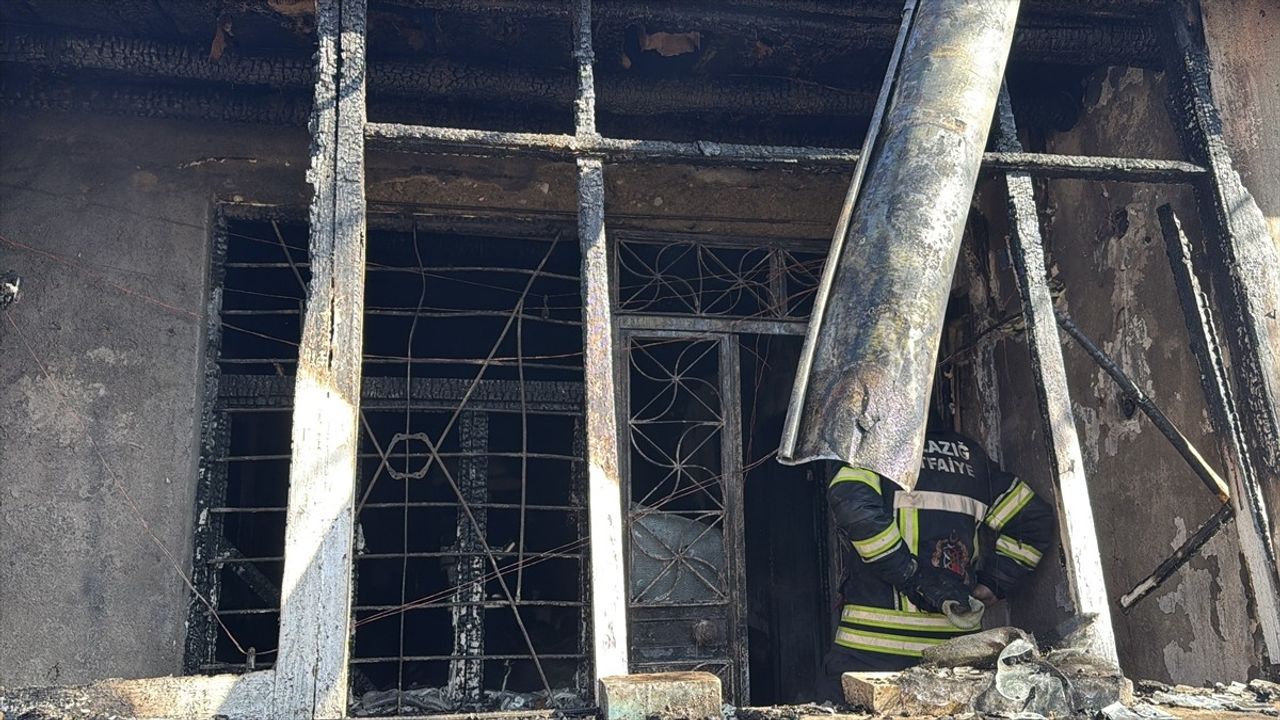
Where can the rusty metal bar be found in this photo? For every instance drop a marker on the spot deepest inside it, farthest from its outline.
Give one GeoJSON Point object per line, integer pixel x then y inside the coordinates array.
{"type": "Point", "coordinates": [1076, 530]}
{"type": "Point", "coordinates": [1189, 453]}
{"type": "Point", "coordinates": [862, 386]}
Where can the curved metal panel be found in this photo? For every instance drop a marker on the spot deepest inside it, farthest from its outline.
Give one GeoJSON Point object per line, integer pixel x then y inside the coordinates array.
{"type": "Point", "coordinates": [863, 386]}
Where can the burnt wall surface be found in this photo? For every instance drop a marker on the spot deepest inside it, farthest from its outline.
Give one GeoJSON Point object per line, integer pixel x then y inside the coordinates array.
{"type": "Point", "coordinates": [108, 223]}
{"type": "Point", "coordinates": [1105, 247]}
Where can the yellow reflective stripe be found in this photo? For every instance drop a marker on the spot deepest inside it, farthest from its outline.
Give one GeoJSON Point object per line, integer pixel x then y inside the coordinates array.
{"type": "Point", "coordinates": [896, 619]}
{"type": "Point", "coordinates": [1019, 552]}
{"type": "Point", "coordinates": [909, 522]}
{"type": "Point", "coordinates": [879, 544]}
{"type": "Point", "coordinates": [1009, 505]}
{"type": "Point", "coordinates": [866, 477]}
{"type": "Point", "coordinates": [882, 643]}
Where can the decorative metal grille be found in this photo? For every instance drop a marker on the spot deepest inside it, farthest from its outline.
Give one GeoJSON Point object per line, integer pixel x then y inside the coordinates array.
{"type": "Point", "coordinates": [684, 485]}
{"type": "Point", "coordinates": [716, 277]}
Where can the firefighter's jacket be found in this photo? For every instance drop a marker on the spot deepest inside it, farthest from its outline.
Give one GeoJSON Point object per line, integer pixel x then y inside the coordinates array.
{"type": "Point", "coordinates": [884, 527]}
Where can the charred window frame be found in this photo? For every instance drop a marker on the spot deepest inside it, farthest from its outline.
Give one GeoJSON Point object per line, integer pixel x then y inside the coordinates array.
{"type": "Point", "coordinates": [523, 482]}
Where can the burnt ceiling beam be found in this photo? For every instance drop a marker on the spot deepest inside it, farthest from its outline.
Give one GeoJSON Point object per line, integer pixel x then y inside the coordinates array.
{"type": "Point", "coordinates": [887, 10]}
{"type": "Point", "coordinates": [435, 79]}
{"type": "Point", "coordinates": [485, 143]}
{"type": "Point", "coordinates": [1098, 35]}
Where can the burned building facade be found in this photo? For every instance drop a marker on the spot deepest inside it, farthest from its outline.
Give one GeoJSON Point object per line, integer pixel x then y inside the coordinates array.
{"type": "Point", "coordinates": [413, 357]}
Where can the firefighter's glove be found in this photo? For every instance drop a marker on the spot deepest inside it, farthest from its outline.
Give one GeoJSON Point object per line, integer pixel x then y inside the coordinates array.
{"type": "Point", "coordinates": [930, 586]}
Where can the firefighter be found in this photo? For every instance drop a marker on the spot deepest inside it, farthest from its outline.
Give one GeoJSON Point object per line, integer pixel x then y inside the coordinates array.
{"type": "Point", "coordinates": [907, 553]}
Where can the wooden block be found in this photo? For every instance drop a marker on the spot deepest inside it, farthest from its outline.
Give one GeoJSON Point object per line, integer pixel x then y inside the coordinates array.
{"type": "Point", "coordinates": [670, 696]}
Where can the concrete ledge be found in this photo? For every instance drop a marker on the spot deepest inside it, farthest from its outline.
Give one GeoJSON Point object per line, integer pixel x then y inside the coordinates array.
{"type": "Point", "coordinates": [670, 696]}
{"type": "Point", "coordinates": [193, 697]}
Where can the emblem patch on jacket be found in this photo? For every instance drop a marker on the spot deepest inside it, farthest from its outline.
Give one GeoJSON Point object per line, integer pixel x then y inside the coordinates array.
{"type": "Point", "coordinates": [952, 554]}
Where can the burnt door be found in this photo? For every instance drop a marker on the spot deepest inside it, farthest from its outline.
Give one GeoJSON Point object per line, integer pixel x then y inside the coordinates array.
{"type": "Point", "coordinates": [683, 488]}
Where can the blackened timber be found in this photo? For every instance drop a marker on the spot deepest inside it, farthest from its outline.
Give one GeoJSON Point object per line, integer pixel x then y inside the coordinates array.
{"type": "Point", "coordinates": [1076, 529]}
{"type": "Point", "coordinates": [1180, 557]}
{"type": "Point", "coordinates": [466, 669]}
{"type": "Point", "coordinates": [862, 388]}
{"type": "Point", "coordinates": [434, 78]}
{"type": "Point", "coordinates": [604, 483]}
{"type": "Point", "coordinates": [311, 669]}
{"type": "Point", "coordinates": [1189, 453]}
{"type": "Point", "coordinates": [1253, 525]}
{"type": "Point", "coordinates": [240, 391]}
{"type": "Point", "coordinates": [490, 143]}
{"type": "Point", "coordinates": [1124, 37]}
{"type": "Point", "coordinates": [1242, 260]}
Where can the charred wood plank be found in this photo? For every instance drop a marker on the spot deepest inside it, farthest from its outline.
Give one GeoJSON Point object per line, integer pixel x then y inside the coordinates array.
{"type": "Point", "coordinates": [315, 618]}
{"type": "Point", "coordinates": [1130, 389]}
{"type": "Point", "coordinates": [1076, 529]}
{"type": "Point", "coordinates": [487, 143]}
{"type": "Point", "coordinates": [600, 369]}
{"type": "Point", "coordinates": [1253, 525]}
{"type": "Point", "coordinates": [1180, 557]}
{"type": "Point", "coordinates": [433, 79]}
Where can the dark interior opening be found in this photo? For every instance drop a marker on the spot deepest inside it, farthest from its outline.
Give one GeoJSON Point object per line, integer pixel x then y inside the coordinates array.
{"type": "Point", "coordinates": [786, 537]}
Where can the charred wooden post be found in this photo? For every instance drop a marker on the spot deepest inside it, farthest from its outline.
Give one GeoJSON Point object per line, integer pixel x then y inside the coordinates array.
{"type": "Point", "coordinates": [315, 616]}
{"type": "Point", "coordinates": [1252, 524]}
{"type": "Point", "coordinates": [466, 670]}
{"type": "Point", "coordinates": [604, 485]}
{"type": "Point", "coordinates": [1076, 529]}
{"type": "Point", "coordinates": [1242, 259]}
{"type": "Point", "coordinates": [862, 388]}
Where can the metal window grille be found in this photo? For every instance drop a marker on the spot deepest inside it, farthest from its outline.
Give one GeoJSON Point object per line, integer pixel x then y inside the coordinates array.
{"type": "Point", "coordinates": [470, 463]}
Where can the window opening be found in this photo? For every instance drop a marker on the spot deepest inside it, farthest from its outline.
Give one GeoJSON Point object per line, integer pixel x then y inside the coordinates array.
{"type": "Point", "coordinates": [472, 380]}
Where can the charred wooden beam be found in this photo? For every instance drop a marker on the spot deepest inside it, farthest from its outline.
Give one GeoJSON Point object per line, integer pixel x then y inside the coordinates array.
{"type": "Point", "coordinates": [1201, 467]}
{"type": "Point", "coordinates": [1076, 529]}
{"type": "Point", "coordinates": [1180, 557]}
{"type": "Point", "coordinates": [434, 79]}
{"type": "Point", "coordinates": [486, 143]}
{"type": "Point", "coordinates": [600, 367]}
{"type": "Point", "coordinates": [311, 669]}
{"type": "Point", "coordinates": [1253, 526]}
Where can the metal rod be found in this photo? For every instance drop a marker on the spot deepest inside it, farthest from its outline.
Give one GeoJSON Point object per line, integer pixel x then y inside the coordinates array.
{"type": "Point", "coordinates": [1189, 453]}
{"type": "Point", "coordinates": [1180, 557]}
